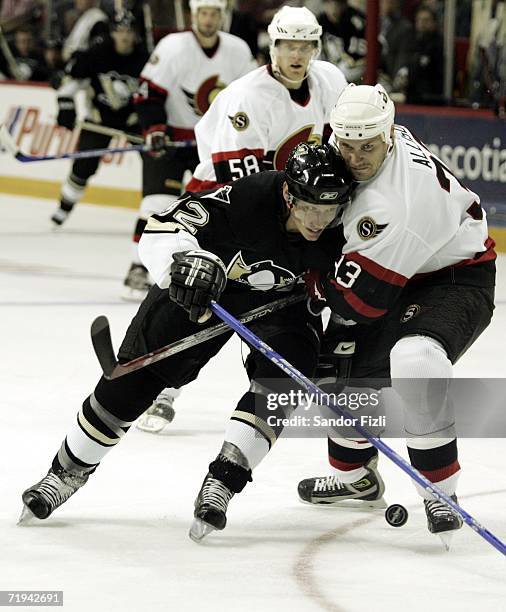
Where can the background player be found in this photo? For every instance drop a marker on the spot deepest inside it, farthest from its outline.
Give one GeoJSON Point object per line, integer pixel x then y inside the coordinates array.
{"type": "Point", "coordinates": [264, 231]}
{"type": "Point", "coordinates": [417, 276]}
{"type": "Point", "coordinates": [256, 121]}
{"type": "Point", "coordinates": [182, 77]}
{"type": "Point", "coordinates": [111, 69]}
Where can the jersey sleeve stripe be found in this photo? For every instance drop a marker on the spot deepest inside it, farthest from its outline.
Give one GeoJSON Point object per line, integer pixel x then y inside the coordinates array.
{"type": "Point", "coordinates": [197, 185]}
{"type": "Point", "coordinates": [377, 270]}
{"type": "Point", "coordinates": [240, 153]}
{"type": "Point", "coordinates": [357, 305]}
{"type": "Point", "coordinates": [156, 87]}
{"type": "Point", "coordinates": [361, 307]}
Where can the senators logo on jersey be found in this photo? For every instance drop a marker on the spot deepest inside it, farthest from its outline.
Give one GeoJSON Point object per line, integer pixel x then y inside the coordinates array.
{"type": "Point", "coordinates": [240, 121]}
{"type": "Point", "coordinates": [262, 275]}
{"type": "Point", "coordinates": [367, 228]}
{"type": "Point", "coordinates": [276, 160]}
{"type": "Point", "coordinates": [201, 100]}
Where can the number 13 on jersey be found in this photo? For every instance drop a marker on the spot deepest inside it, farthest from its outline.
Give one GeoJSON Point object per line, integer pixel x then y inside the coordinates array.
{"type": "Point", "coordinates": [346, 272]}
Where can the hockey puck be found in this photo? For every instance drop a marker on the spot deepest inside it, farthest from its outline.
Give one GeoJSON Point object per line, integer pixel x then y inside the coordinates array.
{"type": "Point", "coordinates": [396, 515]}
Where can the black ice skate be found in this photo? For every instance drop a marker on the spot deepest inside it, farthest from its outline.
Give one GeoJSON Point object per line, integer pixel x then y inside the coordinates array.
{"type": "Point", "coordinates": [60, 215]}
{"type": "Point", "coordinates": [228, 474]}
{"type": "Point", "coordinates": [137, 283]}
{"type": "Point", "coordinates": [50, 493]}
{"type": "Point", "coordinates": [210, 508]}
{"type": "Point", "coordinates": [158, 415]}
{"type": "Point", "coordinates": [328, 490]}
{"type": "Point", "coordinates": [441, 519]}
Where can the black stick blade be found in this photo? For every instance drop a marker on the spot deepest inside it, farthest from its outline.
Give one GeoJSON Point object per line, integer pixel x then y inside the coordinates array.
{"type": "Point", "coordinates": [102, 343]}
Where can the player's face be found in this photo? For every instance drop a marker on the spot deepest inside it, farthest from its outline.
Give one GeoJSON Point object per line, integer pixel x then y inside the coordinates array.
{"type": "Point", "coordinates": [363, 157]}
{"type": "Point", "coordinates": [308, 219]}
{"type": "Point", "coordinates": [208, 21]}
{"type": "Point", "coordinates": [293, 57]}
{"type": "Point", "coordinates": [124, 40]}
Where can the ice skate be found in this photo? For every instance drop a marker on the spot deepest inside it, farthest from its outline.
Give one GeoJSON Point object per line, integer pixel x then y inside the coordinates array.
{"type": "Point", "coordinates": [210, 508]}
{"type": "Point", "coordinates": [59, 217]}
{"type": "Point", "coordinates": [136, 283]}
{"type": "Point", "coordinates": [328, 490]}
{"type": "Point", "coordinates": [160, 414]}
{"type": "Point", "coordinates": [442, 520]}
{"type": "Point", "coordinates": [50, 493]}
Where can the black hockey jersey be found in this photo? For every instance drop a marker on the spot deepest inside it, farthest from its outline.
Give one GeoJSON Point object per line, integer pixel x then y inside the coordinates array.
{"type": "Point", "coordinates": [242, 223]}
{"type": "Point", "coordinates": [113, 78]}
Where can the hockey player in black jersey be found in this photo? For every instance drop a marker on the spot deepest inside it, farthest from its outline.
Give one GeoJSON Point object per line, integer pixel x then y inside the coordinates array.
{"type": "Point", "coordinates": [240, 244]}
{"type": "Point", "coordinates": [110, 69]}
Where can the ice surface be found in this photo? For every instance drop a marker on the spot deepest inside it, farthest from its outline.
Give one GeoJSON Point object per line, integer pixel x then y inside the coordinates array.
{"type": "Point", "coordinates": [121, 542]}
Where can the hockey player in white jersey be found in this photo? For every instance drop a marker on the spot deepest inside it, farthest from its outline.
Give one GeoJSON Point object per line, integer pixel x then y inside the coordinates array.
{"type": "Point", "coordinates": [182, 77]}
{"type": "Point", "coordinates": [256, 122]}
{"type": "Point", "coordinates": [413, 288]}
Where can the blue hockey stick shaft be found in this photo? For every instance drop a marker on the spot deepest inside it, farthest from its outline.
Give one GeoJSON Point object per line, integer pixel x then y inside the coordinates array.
{"type": "Point", "coordinates": [7, 141]}
{"type": "Point", "coordinates": [308, 385]}
{"type": "Point", "coordinates": [182, 144]}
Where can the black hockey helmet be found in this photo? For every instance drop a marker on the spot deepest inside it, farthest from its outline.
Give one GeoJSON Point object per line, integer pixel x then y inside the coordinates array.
{"type": "Point", "coordinates": [317, 174]}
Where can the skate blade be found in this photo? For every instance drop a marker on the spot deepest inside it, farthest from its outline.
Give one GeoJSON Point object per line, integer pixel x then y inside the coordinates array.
{"type": "Point", "coordinates": [446, 538]}
{"type": "Point", "coordinates": [199, 530]}
{"type": "Point", "coordinates": [352, 504]}
{"type": "Point", "coordinates": [26, 516]}
{"type": "Point", "coordinates": [152, 424]}
{"type": "Point", "coordinates": [133, 295]}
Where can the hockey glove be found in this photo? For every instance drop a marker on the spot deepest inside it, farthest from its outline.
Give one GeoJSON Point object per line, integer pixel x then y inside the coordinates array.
{"type": "Point", "coordinates": [197, 277]}
{"type": "Point", "coordinates": [66, 113]}
{"type": "Point", "coordinates": [156, 138]}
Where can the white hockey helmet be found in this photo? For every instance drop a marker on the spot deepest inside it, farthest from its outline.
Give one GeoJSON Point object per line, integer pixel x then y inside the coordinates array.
{"type": "Point", "coordinates": [361, 112]}
{"type": "Point", "coordinates": [195, 5]}
{"type": "Point", "coordinates": [294, 23]}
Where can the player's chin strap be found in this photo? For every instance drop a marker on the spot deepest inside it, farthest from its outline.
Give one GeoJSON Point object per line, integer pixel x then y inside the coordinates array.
{"type": "Point", "coordinates": [323, 398]}
{"type": "Point", "coordinates": [280, 76]}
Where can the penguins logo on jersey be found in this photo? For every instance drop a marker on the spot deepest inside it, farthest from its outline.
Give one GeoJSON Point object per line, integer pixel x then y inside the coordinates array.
{"type": "Point", "coordinates": [367, 228]}
{"type": "Point", "coordinates": [117, 89]}
{"type": "Point", "coordinates": [154, 59]}
{"type": "Point", "coordinates": [262, 275]}
{"type": "Point", "coordinates": [412, 311]}
{"type": "Point", "coordinates": [201, 100]}
{"type": "Point", "coordinates": [240, 121]}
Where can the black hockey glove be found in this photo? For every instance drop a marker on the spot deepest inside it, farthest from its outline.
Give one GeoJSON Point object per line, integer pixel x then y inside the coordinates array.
{"type": "Point", "coordinates": [157, 138]}
{"type": "Point", "coordinates": [197, 277]}
{"type": "Point", "coordinates": [66, 113]}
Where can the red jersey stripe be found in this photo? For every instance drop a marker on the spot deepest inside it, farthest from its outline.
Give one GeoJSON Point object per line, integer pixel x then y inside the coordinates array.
{"type": "Point", "coordinates": [240, 153]}
{"type": "Point", "coordinates": [196, 185]}
{"type": "Point", "coordinates": [361, 307]}
{"type": "Point", "coordinates": [378, 271]}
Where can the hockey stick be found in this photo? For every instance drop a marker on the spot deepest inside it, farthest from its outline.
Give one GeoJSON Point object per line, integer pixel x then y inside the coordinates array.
{"type": "Point", "coordinates": [304, 382]}
{"type": "Point", "coordinates": [148, 26]}
{"type": "Point", "coordinates": [9, 58]}
{"type": "Point", "coordinates": [108, 131]}
{"type": "Point", "coordinates": [102, 343]}
{"type": "Point", "coordinates": [7, 142]}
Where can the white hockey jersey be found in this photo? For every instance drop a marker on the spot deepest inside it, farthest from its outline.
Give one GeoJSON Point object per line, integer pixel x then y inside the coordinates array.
{"type": "Point", "coordinates": [190, 80]}
{"type": "Point", "coordinates": [413, 218]}
{"type": "Point", "coordinates": [254, 124]}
